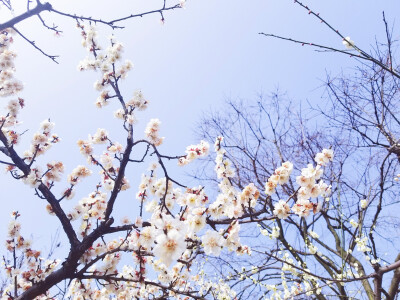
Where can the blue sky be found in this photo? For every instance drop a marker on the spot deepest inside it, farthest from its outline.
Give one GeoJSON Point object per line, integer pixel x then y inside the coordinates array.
{"type": "Point", "coordinates": [202, 55]}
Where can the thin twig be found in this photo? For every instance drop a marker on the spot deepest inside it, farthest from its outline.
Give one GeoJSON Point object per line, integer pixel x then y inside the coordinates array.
{"type": "Point", "coordinates": [52, 57]}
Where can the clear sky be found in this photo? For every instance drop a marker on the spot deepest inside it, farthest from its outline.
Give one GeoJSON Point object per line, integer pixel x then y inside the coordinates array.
{"type": "Point", "coordinates": [202, 55]}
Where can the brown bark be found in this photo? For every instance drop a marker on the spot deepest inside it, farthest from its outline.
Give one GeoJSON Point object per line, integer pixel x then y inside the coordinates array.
{"type": "Point", "coordinates": [394, 284]}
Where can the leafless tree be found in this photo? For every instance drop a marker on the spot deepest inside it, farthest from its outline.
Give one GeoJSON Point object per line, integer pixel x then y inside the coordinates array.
{"type": "Point", "coordinates": [359, 120]}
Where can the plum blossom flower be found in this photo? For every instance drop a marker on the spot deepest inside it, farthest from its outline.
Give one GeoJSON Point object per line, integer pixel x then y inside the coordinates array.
{"type": "Point", "coordinates": [324, 157]}
{"type": "Point", "coordinates": [363, 203]}
{"type": "Point", "coordinates": [34, 178]}
{"type": "Point", "coordinates": [302, 207]}
{"type": "Point", "coordinates": [55, 169]}
{"type": "Point", "coordinates": [78, 173]}
{"type": "Point", "coordinates": [169, 246]}
{"type": "Point", "coordinates": [193, 152]}
{"type": "Point", "coordinates": [151, 132]}
{"type": "Point", "coordinates": [212, 242]}
{"type": "Point", "coordinates": [147, 237]}
{"type": "Point", "coordinates": [280, 176]}
{"type": "Point", "coordinates": [348, 43]}
{"type": "Point", "coordinates": [281, 209]}
{"type": "Point", "coordinates": [100, 137]}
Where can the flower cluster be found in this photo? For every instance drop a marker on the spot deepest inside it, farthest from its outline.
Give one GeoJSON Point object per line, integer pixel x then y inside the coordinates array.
{"type": "Point", "coordinates": [105, 61]}
{"type": "Point", "coordinates": [280, 176]}
{"type": "Point", "coordinates": [151, 132]}
{"type": "Point", "coordinates": [106, 160]}
{"type": "Point", "coordinates": [34, 178]}
{"type": "Point", "coordinates": [138, 102]}
{"type": "Point", "coordinates": [41, 141]}
{"type": "Point", "coordinates": [311, 186]}
{"type": "Point", "coordinates": [281, 209]}
{"type": "Point", "coordinates": [78, 173]}
{"type": "Point", "coordinates": [9, 120]}
{"type": "Point", "coordinates": [273, 233]}
{"type": "Point", "coordinates": [170, 237]}
{"type": "Point", "coordinates": [9, 85]}
{"type": "Point", "coordinates": [35, 267]}
{"type": "Point", "coordinates": [193, 152]}
{"type": "Point", "coordinates": [54, 171]}
{"type": "Point", "coordinates": [362, 244]}
{"type": "Point", "coordinates": [230, 202]}
{"type": "Point", "coordinates": [324, 157]}
{"type": "Point", "coordinates": [223, 166]}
